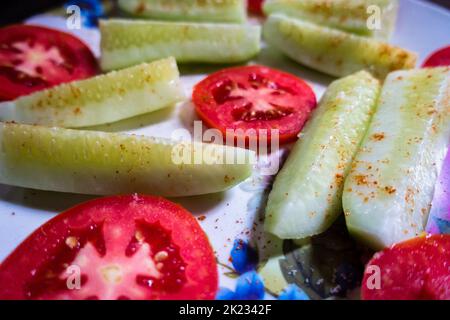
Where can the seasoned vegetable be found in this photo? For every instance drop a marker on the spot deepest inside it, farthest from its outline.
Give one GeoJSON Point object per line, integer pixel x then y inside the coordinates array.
{"type": "Point", "coordinates": [102, 99]}
{"type": "Point", "coordinates": [333, 51]}
{"type": "Point", "coordinates": [353, 16]}
{"type": "Point", "coordinates": [102, 163]}
{"type": "Point", "coordinates": [388, 193]}
{"type": "Point", "coordinates": [187, 10]}
{"type": "Point", "coordinates": [125, 247]}
{"type": "Point", "coordinates": [306, 197]}
{"type": "Point", "coordinates": [128, 42]}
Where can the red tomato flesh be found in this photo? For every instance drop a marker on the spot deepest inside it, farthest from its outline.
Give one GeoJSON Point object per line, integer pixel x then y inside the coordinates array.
{"type": "Point", "coordinates": [33, 58]}
{"type": "Point", "coordinates": [256, 6]}
{"type": "Point", "coordinates": [255, 97]}
{"type": "Point", "coordinates": [417, 269]}
{"type": "Point", "coordinates": [440, 57]}
{"type": "Point", "coordinates": [125, 247]}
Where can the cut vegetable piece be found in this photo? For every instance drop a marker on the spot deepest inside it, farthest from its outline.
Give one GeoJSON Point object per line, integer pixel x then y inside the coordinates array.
{"type": "Point", "coordinates": [250, 102]}
{"type": "Point", "coordinates": [417, 269]}
{"type": "Point", "coordinates": [123, 247]}
{"type": "Point", "coordinates": [388, 193]}
{"type": "Point", "coordinates": [128, 42]}
{"type": "Point", "coordinates": [102, 163]}
{"type": "Point", "coordinates": [438, 58]}
{"type": "Point", "coordinates": [306, 196]}
{"type": "Point", "coordinates": [255, 7]}
{"type": "Point", "coordinates": [355, 16]}
{"type": "Point", "coordinates": [102, 99]}
{"type": "Point", "coordinates": [333, 51]}
{"type": "Point", "coordinates": [187, 10]}
{"type": "Point", "coordinates": [34, 58]}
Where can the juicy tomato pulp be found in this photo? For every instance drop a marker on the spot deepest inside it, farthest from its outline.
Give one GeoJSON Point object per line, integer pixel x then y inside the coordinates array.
{"type": "Point", "coordinates": [411, 270]}
{"type": "Point", "coordinates": [254, 97]}
{"type": "Point", "coordinates": [255, 6]}
{"type": "Point", "coordinates": [123, 247]}
{"type": "Point", "coordinates": [438, 58]}
{"type": "Point", "coordinates": [34, 58]}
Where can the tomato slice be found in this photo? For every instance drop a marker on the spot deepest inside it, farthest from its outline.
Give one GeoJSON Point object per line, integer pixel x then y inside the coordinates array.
{"type": "Point", "coordinates": [254, 97]}
{"type": "Point", "coordinates": [256, 6]}
{"type": "Point", "coordinates": [122, 247]}
{"type": "Point", "coordinates": [438, 58]}
{"type": "Point", "coordinates": [33, 58]}
{"type": "Point", "coordinates": [417, 269]}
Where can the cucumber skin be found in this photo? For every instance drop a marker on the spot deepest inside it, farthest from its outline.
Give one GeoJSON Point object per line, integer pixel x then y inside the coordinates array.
{"type": "Point", "coordinates": [187, 10]}
{"type": "Point", "coordinates": [100, 163]}
{"type": "Point", "coordinates": [306, 196]}
{"type": "Point", "coordinates": [346, 15]}
{"type": "Point", "coordinates": [128, 42]}
{"type": "Point", "coordinates": [332, 51]}
{"type": "Point", "coordinates": [388, 192]}
{"type": "Point", "coordinates": [101, 99]}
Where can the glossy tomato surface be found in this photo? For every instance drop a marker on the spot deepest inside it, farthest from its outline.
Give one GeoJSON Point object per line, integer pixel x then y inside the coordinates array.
{"type": "Point", "coordinates": [438, 58]}
{"type": "Point", "coordinates": [33, 58]}
{"type": "Point", "coordinates": [254, 98]}
{"type": "Point", "coordinates": [411, 270]}
{"type": "Point", "coordinates": [122, 247]}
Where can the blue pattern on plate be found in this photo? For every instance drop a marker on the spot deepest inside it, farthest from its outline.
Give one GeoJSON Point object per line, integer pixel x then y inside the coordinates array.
{"type": "Point", "coordinates": [249, 286]}
{"type": "Point", "coordinates": [293, 292]}
{"type": "Point", "coordinates": [243, 257]}
{"type": "Point", "coordinates": [91, 11]}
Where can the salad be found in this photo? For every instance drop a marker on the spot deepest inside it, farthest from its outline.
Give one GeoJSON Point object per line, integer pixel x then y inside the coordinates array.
{"type": "Point", "coordinates": [340, 186]}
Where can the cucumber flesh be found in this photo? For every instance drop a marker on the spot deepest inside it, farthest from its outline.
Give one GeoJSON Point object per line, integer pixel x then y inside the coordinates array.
{"type": "Point", "coordinates": [101, 99]}
{"type": "Point", "coordinates": [187, 10]}
{"type": "Point", "coordinates": [332, 51]}
{"type": "Point", "coordinates": [100, 163]}
{"type": "Point", "coordinates": [128, 42]}
{"type": "Point", "coordinates": [388, 193]}
{"type": "Point", "coordinates": [306, 196]}
{"type": "Point", "coordinates": [346, 15]}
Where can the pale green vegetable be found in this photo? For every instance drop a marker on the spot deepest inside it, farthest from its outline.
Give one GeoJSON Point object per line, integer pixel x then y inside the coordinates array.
{"type": "Point", "coordinates": [355, 16]}
{"type": "Point", "coordinates": [102, 163]}
{"type": "Point", "coordinates": [101, 99]}
{"type": "Point", "coordinates": [306, 196]}
{"type": "Point", "coordinates": [128, 42]}
{"type": "Point", "coordinates": [187, 10]}
{"type": "Point", "coordinates": [332, 51]}
{"type": "Point", "coordinates": [388, 193]}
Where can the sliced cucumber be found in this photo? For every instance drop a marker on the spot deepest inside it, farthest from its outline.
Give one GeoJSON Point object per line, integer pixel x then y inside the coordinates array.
{"type": "Point", "coordinates": [102, 163]}
{"type": "Point", "coordinates": [187, 10]}
{"type": "Point", "coordinates": [348, 15]}
{"type": "Point", "coordinates": [388, 193]}
{"type": "Point", "coordinates": [332, 51]}
{"type": "Point", "coordinates": [102, 99]}
{"type": "Point", "coordinates": [128, 42]}
{"type": "Point", "coordinates": [306, 196]}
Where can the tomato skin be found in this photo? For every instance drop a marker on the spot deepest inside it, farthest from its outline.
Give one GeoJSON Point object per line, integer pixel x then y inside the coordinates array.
{"type": "Point", "coordinates": [417, 269]}
{"type": "Point", "coordinates": [256, 7]}
{"type": "Point", "coordinates": [63, 58]}
{"type": "Point", "coordinates": [119, 214]}
{"type": "Point", "coordinates": [288, 102]}
{"type": "Point", "coordinates": [438, 58]}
